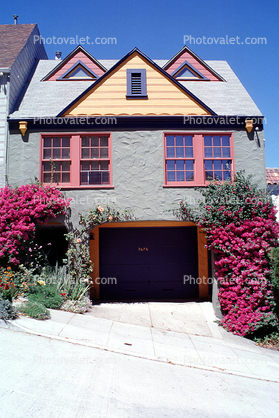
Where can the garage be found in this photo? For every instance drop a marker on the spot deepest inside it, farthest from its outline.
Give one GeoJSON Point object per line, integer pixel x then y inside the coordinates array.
{"type": "Point", "coordinates": [148, 263]}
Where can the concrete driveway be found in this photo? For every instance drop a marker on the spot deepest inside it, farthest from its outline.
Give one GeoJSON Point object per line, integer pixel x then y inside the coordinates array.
{"type": "Point", "coordinates": [190, 317]}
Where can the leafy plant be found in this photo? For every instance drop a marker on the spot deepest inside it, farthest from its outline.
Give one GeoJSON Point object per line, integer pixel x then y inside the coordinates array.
{"type": "Point", "coordinates": [274, 258]}
{"type": "Point", "coordinates": [77, 306]}
{"type": "Point", "coordinates": [269, 340]}
{"type": "Point", "coordinates": [47, 296]}
{"type": "Point", "coordinates": [34, 310]}
{"type": "Point", "coordinates": [241, 228]}
{"type": "Point", "coordinates": [7, 311]}
{"type": "Point", "coordinates": [20, 209]}
{"type": "Point", "coordinates": [79, 265]}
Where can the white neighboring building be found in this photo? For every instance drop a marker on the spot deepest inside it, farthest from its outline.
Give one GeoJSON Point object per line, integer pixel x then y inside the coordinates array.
{"type": "Point", "coordinates": [272, 178]}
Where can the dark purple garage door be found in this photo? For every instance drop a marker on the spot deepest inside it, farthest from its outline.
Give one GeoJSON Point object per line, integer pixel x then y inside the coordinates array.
{"type": "Point", "coordinates": [148, 263]}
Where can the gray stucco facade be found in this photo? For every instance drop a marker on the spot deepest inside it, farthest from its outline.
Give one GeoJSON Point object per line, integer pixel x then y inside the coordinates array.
{"type": "Point", "coordinates": [137, 172]}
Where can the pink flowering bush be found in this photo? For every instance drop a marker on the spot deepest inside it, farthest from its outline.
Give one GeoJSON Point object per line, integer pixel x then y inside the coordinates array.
{"type": "Point", "coordinates": [240, 223]}
{"type": "Point", "coordinates": [20, 210]}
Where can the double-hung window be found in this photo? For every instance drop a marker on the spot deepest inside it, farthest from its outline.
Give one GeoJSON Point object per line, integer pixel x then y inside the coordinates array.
{"type": "Point", "coordinates": [217, 157]}
{"type": "Point", "coordinates": [95, 162]}
{"type": "Point", "coordinates": [179, 159]}
{"type": "Point", "coordinates": [76, 160]}
{"type": "Point", "coordinates": [56, 159]}
{"type": "Point", "coordinates": [193, 159]}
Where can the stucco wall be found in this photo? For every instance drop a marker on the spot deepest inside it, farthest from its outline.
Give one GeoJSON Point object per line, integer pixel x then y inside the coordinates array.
{"type": "Point", "coordinates": [137, 172]}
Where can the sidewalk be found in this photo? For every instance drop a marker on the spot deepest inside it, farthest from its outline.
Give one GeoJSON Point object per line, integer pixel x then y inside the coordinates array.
{"type": "Point", "coordinates": [182, 334]}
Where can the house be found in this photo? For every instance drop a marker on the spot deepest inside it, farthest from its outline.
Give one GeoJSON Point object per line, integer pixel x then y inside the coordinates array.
{"type": "Point", "coordinates": [272, 179]}
{"type": "Point", "coordinates": [141, 134]}
{"type": "Point", "coordinates": [19, 55]}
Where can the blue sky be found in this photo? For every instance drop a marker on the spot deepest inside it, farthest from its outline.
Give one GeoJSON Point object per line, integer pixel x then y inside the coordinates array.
{"type": "Point", "coordinates": [158, 29]}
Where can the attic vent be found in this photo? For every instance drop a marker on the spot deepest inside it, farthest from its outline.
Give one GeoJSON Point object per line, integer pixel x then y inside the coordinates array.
{"type": "Point", "coordinates": [136, 84]}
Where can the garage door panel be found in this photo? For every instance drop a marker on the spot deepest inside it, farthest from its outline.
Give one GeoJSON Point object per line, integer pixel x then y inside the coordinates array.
{"type": "Point", "coordinates": [148, 263]}
{"type": "Point", "coordinates": [126, 273]}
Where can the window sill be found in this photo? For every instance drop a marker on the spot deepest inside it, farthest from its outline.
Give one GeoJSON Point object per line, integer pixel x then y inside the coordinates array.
{"type": "Point", "coordinates": [183, 185]}
{"type": "Point", "coordinates": [85, 186]}
{"type": "Point", "coordinates": [136, 97]}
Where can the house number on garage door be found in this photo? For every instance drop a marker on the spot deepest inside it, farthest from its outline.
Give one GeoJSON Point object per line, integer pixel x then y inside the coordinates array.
{"type": "Point", "coordinates": [142, 249]}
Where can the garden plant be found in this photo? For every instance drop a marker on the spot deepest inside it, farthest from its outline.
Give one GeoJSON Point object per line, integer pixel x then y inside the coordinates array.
{"type": "Point", "coordinates": [240, 224]}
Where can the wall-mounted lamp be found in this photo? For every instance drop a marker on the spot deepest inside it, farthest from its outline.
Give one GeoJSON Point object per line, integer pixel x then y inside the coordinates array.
{"type": "Point", "coordinates": [249, 125]}
{"type": "Point", "coordinates": [23, 127]}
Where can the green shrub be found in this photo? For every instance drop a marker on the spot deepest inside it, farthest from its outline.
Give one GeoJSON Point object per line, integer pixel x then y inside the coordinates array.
{"type": "Point", "coordinates": [7, 311]}
{"type": "Point", "coordinates": [47, 296]}
{"type": "Point", "coordinates": [34, 310]}
{"type": "Point", "coordinates": [269, 340]}
{"type": "Point", "coordinates": [77, 306]}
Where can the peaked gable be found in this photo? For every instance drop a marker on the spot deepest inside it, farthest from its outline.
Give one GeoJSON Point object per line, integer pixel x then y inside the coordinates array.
{"type": "Point", "coordinates": [78, 56]}
{"type": "Point", "coordinates": [109, 94]}
{"type": "Point", "coordinates": [195, 63]}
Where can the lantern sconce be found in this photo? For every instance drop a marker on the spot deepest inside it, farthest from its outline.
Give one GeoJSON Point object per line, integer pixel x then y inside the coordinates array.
{"type": "Point", "coordinates": [249, 125]}
{"type": "Point", "coordinates": [23, 127]}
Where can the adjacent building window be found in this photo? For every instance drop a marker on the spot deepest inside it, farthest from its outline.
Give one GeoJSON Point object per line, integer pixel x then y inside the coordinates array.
{"type": "Point", "coordinates": [195, 159]}
{"type": "Point", "coordinates": [136, 84]}
{"type": "Point", "coordinates": [76, 160]}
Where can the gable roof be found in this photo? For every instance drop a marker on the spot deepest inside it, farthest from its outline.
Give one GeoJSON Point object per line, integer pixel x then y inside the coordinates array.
{"type": "Point", "coordinates": [12, 40]}
{"type": "Point", "coordinates": [196, 58]}
{"type": "Point", "coordinates": [154, 65]}
{"type": "Point", "coordinates": [48, 99]}
{"type": "Point", "coordinates": [69, 57]}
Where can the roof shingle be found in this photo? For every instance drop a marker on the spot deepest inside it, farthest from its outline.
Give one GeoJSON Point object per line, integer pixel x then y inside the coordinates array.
{"type": "Point", "coordinates": [272, 175]}
{"type": "Point", "coordinates": [12, 40]}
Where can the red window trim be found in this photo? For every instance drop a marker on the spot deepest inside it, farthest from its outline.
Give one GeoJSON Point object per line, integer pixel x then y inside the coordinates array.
{"type": "Point", "coordinates": [198, 156]}
{"type": "Point", "coordinates": [75, 158]}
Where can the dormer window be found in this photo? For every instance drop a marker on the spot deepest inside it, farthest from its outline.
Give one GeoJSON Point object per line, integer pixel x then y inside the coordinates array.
{"type": "Point", "coordinates": [79, 71]}
{"type": "Point", "coordinates": [136, 84]}
{"type": "Point", "coordinates": [187, 72]}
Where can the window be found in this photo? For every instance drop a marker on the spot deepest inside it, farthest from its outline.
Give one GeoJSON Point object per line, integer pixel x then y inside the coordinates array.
{"type": "Point", "coordinates": [78, 71]}
{"type": "Point", "coordinates": [56, 160]}
{"type": "Point", "coordinates": [76, 160]}
{"type": "Point", "coordinates": [217, 157]}
{"type": "Point", "coordinates": [195, 159]}
{"type": "Point", "coordinates": [136, 84]}
{"type": "Point", "coordinates": [186, 71]}
{"type": "Point", "coordinates": [179, 158]}
{"type": "Point", "coordinates": [94, 164]}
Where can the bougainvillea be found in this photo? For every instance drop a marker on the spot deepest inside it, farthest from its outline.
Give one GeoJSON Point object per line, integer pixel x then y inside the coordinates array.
{"type": "Point", "coordinates": [240, 223]}
{"type": "Point", "coordinates": [20, 210]}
